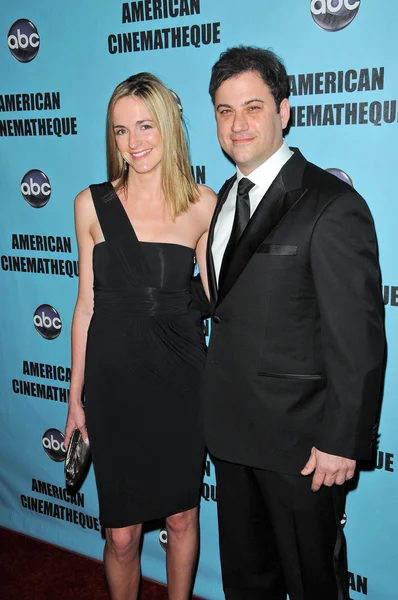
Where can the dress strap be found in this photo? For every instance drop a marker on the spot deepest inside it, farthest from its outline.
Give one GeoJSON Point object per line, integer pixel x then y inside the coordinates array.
{"type": "Point", "coordinates": [119, 235]}
{"type": "Point", "coordinates": [104, 207]}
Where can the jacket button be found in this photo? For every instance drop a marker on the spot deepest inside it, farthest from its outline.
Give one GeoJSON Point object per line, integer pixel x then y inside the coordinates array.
{"type": "Point", "coordinates": [216, 319]}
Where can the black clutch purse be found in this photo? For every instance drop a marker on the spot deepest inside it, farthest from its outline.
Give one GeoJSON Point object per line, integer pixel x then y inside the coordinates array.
{"type": "Point", "coordinates": [77, 461]}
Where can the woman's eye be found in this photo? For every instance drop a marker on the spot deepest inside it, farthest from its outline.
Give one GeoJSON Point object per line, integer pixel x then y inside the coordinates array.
{"type": "Point", "coordinates": [119, 131]}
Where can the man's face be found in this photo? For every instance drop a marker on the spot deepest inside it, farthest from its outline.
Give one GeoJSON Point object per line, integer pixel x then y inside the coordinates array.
{"type": "Point", "coordinates": [249, 128]}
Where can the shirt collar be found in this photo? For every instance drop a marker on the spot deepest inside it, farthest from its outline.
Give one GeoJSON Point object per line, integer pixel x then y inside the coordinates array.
{"type": "Point", "coordinates": [264, 175]}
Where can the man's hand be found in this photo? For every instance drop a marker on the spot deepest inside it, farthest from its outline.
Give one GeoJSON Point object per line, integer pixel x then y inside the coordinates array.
{"type": "Point", "coordinates": [329, 469]}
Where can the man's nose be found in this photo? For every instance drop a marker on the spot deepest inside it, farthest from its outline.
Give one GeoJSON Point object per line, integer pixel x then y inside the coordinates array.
{"type": "Point", "coordinates": [240, 122]}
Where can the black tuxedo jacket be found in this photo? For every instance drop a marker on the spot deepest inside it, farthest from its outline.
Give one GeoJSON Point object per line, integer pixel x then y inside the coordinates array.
{"type": "Point", "coordinates": [297, 343]}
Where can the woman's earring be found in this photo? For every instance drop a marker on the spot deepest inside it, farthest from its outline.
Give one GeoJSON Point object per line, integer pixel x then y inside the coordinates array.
{"type": "Point", "coordinates": [125, 165]}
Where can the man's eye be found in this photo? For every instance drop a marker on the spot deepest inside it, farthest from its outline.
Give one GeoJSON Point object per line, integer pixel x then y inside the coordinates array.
{"type": "Point", "coordinates": [254, 108]}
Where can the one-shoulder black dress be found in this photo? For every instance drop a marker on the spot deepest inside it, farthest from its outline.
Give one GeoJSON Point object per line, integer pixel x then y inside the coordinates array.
{"type": "Point", "coordinates": [144, 361]}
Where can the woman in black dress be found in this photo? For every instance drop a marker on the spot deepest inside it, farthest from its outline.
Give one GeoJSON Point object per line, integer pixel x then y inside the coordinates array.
{"type": "Point", "coordinates": [137, 344]}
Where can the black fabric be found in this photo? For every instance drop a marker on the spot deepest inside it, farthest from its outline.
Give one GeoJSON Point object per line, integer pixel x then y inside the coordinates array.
{"type": "Point", "coordinates": [277, 537]}
{"type": "Point", "coordinates": [278, 249]}
{"type": "Point", "coordinates": [199, 299]}
{"type": "Point", "coordinates": [144, 360]}
{"type": "Point", "coordinates": [241, 219]}
{"type": "Point", "coordinates": [242, 212]}
{"type": "Point", "coordinates": [211, 274]}
{"type": "Point", "coordinates": [276, 314]}
{"type": "Point", "coordinates": [275, 205]}
{"type": "Point", "coordinates": [290, 367]}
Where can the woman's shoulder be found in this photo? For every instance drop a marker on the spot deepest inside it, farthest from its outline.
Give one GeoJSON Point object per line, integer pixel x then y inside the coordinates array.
{"type": "Point", "coordinates": [207, 199]}
{"type": "Point", "coordinates": [84, 206]}
{"type": "Point", "coordinates": [206, 192]}
{"type": "Point", "coordinates": [84, 199]}
{"type": "Point", "coordinates": [202, 210]}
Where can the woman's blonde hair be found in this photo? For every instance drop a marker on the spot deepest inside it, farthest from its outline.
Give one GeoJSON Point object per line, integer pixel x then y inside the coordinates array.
{"type": "Point", "coordinates": [179, 187]}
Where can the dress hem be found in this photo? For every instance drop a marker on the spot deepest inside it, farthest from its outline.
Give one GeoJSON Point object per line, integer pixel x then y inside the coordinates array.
{"type": "Point", "coordinates": [107, 525]}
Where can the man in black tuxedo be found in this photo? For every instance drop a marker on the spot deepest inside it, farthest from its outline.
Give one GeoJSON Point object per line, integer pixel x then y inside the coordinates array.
{"type": "Point", "coordinates": [295, 360]}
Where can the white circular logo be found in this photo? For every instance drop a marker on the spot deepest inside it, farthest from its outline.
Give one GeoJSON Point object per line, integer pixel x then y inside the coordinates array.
{"type": "Point", "coordinates": [36, 188]}
{"type": "Point", "coordinates": [53, 444]}
{"type": "Point", "coordinates": [23, 40]}
{"type": "Point", "coordinates": [341, 175]}
{"type": "Point", "coordinates": [47, 321]}
{"type": "Point", "coordinates": [163, 539]}
{"type": "Point", "coordinates": [334, 15]}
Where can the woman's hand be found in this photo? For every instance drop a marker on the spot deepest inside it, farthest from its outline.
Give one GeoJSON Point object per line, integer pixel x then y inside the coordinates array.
{"type": "Point", "coordinates": [76, 420]}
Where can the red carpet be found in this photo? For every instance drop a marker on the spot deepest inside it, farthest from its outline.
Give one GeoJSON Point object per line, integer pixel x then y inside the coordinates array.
{"type": "Point", "coordinates": [33, 570]}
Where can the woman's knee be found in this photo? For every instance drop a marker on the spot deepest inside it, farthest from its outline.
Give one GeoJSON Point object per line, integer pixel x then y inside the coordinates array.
{"type": "Point", "coordinates": [181, 522]}
{"type": "Point", "coordinates": [124, 540]}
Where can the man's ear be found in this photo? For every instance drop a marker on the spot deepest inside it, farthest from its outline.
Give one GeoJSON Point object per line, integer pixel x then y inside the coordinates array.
{"type": "Point", "coordinates": [284, 111]}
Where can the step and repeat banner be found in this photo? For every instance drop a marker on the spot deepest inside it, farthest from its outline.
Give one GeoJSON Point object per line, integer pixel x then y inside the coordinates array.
{"type": "Point", "coordinates": [60, 63]}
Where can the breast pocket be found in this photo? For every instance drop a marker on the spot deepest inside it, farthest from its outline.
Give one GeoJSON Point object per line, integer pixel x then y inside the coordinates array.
{"type": "Point", "coordinates": [278, 249]}
{"type": "Point", "coordinates": [276, 256]}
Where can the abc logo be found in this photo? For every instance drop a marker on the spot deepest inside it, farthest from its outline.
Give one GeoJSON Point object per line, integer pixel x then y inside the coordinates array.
{"type": "Point", "coordinates": [47, 321]}
{"type": "Point", "coordinates": [163, 539]}
{"type": "Point", "coordinates": [334, 15]}
{"type": "Point", "coordinates": [341, 175]}
{"type": "Point", "coordinates": [23, 40]}
{"type": "Point", "coordinates": [53, 444]}
{"type": "Point", "coordinates": [36, 188]}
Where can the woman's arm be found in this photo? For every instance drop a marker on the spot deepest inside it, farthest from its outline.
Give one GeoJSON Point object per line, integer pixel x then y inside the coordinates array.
{"type": "Point", "coordinates": [206, 206]}
{"type": "Point", "coordinates": [84, 219]}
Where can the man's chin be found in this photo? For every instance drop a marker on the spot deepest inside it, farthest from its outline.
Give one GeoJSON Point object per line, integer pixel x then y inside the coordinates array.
{"type": "Point", "coordinates": [242, 158]}
{"type": "Point", "coordinates": [246, 164]}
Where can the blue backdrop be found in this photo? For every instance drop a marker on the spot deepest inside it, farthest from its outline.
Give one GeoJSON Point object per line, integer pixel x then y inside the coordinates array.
{"type": "Point", "coordinates": [60, 63]}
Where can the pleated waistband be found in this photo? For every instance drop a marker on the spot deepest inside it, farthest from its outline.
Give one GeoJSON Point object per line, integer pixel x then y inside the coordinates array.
{"type": "Point", "coordinates": [141, 301]}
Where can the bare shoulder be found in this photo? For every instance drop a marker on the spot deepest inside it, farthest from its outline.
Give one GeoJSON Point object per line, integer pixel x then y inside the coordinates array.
{"type": "Point", "coordinates": [207, 194]}
{"type": "Point", "coordinates": [201, 212]}
{"type": "Point", "coordinates": [85, 215]}
{"type": "Point", "coordinates": [207, 200]}
{"type": "Point", "coordinates": [83, 200]}
{"type": "Point", "coordinates": [84, 206]}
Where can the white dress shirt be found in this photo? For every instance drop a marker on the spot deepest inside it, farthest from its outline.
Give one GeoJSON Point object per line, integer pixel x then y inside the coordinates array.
{"type": "Point", "coordinates": [262, 177]}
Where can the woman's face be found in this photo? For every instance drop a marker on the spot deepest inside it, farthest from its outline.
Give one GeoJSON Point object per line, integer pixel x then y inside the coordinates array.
{"type": "Point", "coordinates": [137, 136]}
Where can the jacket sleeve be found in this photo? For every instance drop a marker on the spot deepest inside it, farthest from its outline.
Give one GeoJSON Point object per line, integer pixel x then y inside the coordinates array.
{"type": "Point", "coordinates": [344, 262]}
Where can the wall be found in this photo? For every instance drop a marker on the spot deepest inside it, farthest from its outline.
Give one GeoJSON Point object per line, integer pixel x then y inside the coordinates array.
{"type": "Point", "coordinates": [59, 69]}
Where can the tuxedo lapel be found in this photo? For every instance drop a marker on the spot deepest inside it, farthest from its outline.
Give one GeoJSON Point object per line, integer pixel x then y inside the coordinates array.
{"type": "Point", "coordinates": [283, 194]}
{"type": "Point", "coordinates": [211, 274]}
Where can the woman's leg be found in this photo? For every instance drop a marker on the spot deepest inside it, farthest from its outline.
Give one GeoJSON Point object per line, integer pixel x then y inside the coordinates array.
{"type": "Point", "coordinates": [122, 562]}
{"type": "Point", "coordinates": [182, 553]}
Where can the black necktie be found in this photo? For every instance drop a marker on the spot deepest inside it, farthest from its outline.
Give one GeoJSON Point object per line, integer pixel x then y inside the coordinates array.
{"type": "Point", "coordinates": [242, 217]}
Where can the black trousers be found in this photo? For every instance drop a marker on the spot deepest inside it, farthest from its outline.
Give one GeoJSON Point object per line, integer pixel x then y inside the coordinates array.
{"type": "Point", "coordinates": [277, 537]}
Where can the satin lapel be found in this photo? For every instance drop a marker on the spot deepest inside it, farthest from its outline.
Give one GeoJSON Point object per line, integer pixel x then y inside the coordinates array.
{"type": "Point", "coordinates": [273, 207]}
{"type": "Point", "coordinates": [211, 274]}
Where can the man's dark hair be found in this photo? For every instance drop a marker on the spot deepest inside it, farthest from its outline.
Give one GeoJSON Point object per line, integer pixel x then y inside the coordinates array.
{"type": "Point", "coordinates": [241, 59]}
